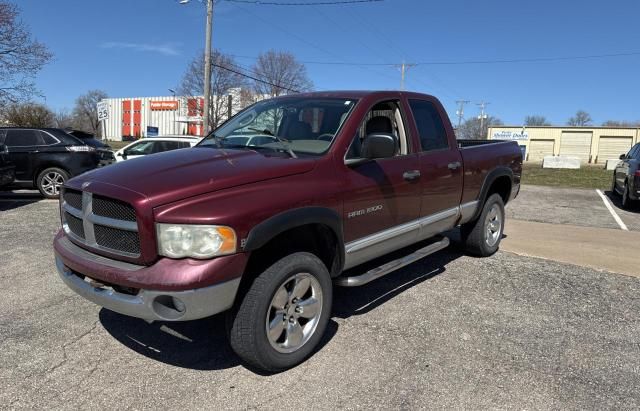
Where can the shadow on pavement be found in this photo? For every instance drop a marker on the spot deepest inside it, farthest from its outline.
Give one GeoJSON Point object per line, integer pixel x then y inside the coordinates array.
{"type": "Point", "coordinates": [10, 200]}
{"type": "Point", "coordinates": [616, 200]}
{"type": "Point", "coordinates": [202, 344]}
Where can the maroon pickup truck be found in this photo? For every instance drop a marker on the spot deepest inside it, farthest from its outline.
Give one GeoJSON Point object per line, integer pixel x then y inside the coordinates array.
{"type": "Point", "coordinates": [285, 200]}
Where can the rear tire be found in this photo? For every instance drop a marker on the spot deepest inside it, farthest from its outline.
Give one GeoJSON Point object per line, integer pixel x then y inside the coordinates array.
{"type": "Point", "coordinates": [627, 203]}
{"type": "Point", "coordinates": [614, 185]}
{"type": "Point", "coordinates": [50, 180]}
{"type": "Point", "coordinates": [283, 315]}
{"type": "Point", "coordinates": [482, 237]}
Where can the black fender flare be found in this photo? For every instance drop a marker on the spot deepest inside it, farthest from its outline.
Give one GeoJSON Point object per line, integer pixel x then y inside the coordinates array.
{"type": "Point", "coordinates": [491, 177]}
{"type": "Point", "coordinates": [262, 233]}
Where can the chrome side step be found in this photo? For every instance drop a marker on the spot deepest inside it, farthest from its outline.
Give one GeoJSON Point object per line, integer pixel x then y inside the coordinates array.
{"type": "Point", "coordinates": [392, 266]}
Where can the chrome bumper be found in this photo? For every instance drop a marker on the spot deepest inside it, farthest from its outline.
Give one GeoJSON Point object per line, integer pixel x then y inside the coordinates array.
{"type": "Point", "coordinates": [155, 305]}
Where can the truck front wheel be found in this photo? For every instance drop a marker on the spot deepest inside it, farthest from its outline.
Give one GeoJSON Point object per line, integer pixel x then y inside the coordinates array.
{"type": "Point", "coordinates": [284, 314]}
{"type": "Point", "coordinates": [482, 237]}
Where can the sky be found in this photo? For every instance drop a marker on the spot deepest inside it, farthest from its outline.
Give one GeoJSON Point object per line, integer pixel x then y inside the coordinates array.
{"type": "Point", "coordinates": [132, 48]}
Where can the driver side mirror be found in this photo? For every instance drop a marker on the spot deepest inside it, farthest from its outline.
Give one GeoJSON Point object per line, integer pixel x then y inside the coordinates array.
{"type": "Point", "coordinates": [379, 145]}
{"type": "Point", "coordinates": [623, 156]}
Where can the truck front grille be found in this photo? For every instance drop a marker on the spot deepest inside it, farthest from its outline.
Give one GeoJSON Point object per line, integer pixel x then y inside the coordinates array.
{"type": "Point", "coordinates": [100, 222]}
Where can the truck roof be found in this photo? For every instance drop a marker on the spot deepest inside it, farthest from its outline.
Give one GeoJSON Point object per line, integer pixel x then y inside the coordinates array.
{"type": "Point", "coordinates": [357, 94]}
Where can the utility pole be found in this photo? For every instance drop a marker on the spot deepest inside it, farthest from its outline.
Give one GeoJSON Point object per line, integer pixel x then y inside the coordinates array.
{"type": "Point", "coordinates": [460, 112]}
{"type": "Point", "coordinates": [207, 69]}
{"type": "Point", "coordinates": [483, 115]}
{"type": "Point", "coordinates": [403, 69]}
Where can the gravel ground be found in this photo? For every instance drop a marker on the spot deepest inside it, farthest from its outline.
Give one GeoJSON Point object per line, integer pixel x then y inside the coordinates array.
{"type": "Point", "coordinates": [449, 332]}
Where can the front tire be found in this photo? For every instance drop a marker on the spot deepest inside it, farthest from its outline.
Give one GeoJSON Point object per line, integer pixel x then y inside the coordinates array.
{"type": "Point", "coordinates": [50, 180]}
{"type": "Point", "coordinates": [284, 314]}
{"type": "Point", "coordinates": [482, 237]}
{"type": "Point", "coordinates": [627, 203]}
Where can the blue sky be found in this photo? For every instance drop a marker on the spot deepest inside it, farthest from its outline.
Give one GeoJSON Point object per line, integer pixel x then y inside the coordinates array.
{"type": "Point", "coordinates": [142, 47]}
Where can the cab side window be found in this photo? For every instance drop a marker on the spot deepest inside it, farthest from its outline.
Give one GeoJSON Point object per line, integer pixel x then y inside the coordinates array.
{"type": "Point", "coordinates": [23, 138]}
{"type": "Point", "coordinates": [386, 118]}
{"type": "Point", "coordinates": [433, 135]}
{"type": "Point", "coordinates": [635, 152]}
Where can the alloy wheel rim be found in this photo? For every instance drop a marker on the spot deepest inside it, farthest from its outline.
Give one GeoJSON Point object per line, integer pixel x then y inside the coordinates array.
{"type": "Point", "coordinates": [51, 183]}
{"type": "Point", "coordinates": [294, 313]}
{"type": "Point", "coordinates": [493, 226]}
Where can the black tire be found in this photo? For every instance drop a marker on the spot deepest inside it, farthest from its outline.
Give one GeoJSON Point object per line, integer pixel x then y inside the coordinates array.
{"type": "Point", "coordinates": [614, 188]}
{"type": "Point", "coordinates": [475, 237]}
{"type": "Point", "coordinates": [49, 181]}
{"type": "Point", "coordinates": [627, 203]}
{"type": "Point", "coordinates": [248, 321]}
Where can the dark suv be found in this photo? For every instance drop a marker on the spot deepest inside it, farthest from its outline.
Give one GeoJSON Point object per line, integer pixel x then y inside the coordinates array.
{"type": "Point", "coordinates": [626, 178]}
{"type": "Point", "coordinates": [7, 170]}
{"type": "Point", "coordinates": [104, 151]}
{"type": "Point", "coordinates": [46, 158]}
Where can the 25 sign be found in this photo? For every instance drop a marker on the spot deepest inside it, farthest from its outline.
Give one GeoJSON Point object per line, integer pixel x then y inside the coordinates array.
{"type": "Point", "coordinates": [103, 110]}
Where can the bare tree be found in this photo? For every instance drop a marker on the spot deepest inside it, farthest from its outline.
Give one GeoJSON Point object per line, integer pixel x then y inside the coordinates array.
{"type": "Point", "coordinates": [581, 119]}
{"type": "Point", "coordinates": [21, 57]}
{"type": "Point", "coordinates": [280, 73]}
{"type": "Point", "coordinates": [28, 114]}
{"type": "Point", "coordinates": [616, 123]}
{"type": "Point", "coordinates": [223, 79]}
{"type": "Point", "coordinates": [85, 111]}
{"type": "Point", "coordinates": [64, 119]}
{"type": "Point", "coordinates": [473, 130]}
{"type": "Point", "coordinates": [533, 121]}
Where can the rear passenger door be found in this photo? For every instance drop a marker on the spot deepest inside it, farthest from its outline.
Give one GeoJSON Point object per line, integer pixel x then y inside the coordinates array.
{"type": "Point", "coordinates": [440, 168]}
{"type": "Point", "coordinates": [23, 148]}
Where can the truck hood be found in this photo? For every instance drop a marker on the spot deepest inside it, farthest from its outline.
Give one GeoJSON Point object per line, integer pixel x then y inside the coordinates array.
{"type": "Point", "coordinates": [175, 175]}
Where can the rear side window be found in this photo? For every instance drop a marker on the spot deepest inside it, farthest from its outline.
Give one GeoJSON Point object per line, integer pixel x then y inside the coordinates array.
{"type": "Point", "coordinates": [23, 138]}
{"type": "Point", "coordinates": [161, 146]}
{"type": "Point", "coordinates": [430, 126]}
{"type": "Point", "coordinates": [48, 138]}
{"type": "Point", "coordinates": [635, 152]}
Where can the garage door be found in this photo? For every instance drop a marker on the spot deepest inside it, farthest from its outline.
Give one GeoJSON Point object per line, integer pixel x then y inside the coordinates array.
{"type": "Point", "coordinates": [610, 148]}
{"type": "Point", "coordinates": [538, 149]}
{"type": "Point", "coordinates": [576, 145]}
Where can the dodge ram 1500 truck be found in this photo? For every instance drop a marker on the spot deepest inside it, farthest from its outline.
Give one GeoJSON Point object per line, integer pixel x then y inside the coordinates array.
{"type": "Point", "coordinates": [264, 226]}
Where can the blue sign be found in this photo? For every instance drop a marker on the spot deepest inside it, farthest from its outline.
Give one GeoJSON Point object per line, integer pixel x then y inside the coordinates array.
{"type": "Point", "coordinates": [152, 131]}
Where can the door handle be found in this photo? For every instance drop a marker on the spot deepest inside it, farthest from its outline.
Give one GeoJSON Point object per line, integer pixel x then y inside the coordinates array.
{"type": "Point", "coordinates": [454, 166]}
{"type": "Point", "coordinates": [411, 175]}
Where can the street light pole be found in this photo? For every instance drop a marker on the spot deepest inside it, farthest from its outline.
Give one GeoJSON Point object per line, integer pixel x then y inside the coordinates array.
{"type": "Point", "coordinates": [173, 128]}
{"type": "Point", "coordinates": [207, 69]}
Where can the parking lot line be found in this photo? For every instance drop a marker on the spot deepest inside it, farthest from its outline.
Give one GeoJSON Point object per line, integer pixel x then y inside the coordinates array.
{"type": "Point", "coordinates": [612, 211]}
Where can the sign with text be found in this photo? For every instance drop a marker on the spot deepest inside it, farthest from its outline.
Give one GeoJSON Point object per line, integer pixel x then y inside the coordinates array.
{"type": "Point", "coordinates": [152, 131]}
{"type": "Point", "coordinates": [103, 110]}
{"type": "Point", "coordinates": [511, 135]}
{"type": "Point", "coordinates": [163, 105]}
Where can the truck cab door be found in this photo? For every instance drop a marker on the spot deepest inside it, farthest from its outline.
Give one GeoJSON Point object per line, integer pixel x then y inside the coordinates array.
{"type": "Point", "coordinates": [440, 166]}
{"type": "Point", "coordinates": [382, 196]}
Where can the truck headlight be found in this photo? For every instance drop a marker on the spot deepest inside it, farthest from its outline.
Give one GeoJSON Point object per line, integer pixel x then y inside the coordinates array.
{"type": "Point", "coordinates": [196, 241]}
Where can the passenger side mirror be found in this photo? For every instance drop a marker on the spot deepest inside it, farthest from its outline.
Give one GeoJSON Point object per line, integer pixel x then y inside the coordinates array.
{"type": "Point", "coordinates": [623, 156]}
{"type": "Point", "coordinates": [379, 145]}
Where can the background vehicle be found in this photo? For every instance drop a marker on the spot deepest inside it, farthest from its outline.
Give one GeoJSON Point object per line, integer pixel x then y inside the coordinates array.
{"type": "Point", "coordinates": [154, 145]}
{"type": "Point", "coordinates": [263, 232]}
{"type": "Point", "coordinates": [7, 170]}
{"type": "Point", "coordinates": [46, 158]}
{"type": "Point", "coordinates": [104, 150]}
{"type": "Point", "coordinates": [626, 177]}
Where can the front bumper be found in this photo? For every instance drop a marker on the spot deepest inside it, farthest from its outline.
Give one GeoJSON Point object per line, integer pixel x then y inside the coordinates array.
{"type": "Point", "coordinates": [116, 285]}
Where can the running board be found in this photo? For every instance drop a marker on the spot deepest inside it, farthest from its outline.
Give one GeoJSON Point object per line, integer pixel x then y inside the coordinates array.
{"type": "Point", "coordinates": [392, 266]}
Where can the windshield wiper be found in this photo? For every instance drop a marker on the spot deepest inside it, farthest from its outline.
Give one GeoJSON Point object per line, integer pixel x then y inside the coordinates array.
{"type": "Point", "coordinates": [283, 141]}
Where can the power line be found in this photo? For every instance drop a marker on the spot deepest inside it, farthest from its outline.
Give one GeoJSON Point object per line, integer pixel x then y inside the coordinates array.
{"type": "Point", "coordinates": [314, 3]}
{"type": "Point", "coordinates": [254, 78]}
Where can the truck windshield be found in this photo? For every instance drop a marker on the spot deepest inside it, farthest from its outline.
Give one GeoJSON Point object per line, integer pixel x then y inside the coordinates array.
{"type": "Point", "coordinates": [302, 125]}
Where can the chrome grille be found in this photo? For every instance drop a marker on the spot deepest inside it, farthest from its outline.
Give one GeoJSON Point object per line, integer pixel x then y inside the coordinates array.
{"type": "Point", "coordinates": [127, 241]}
{"type": "Point", "coordinates": [75, 225]}
{"type": "Point", "coordinates": [110, 208]}
{"type": "Point", "coordinates": [73, 198]}
{"type": "Point", "coordinates": [102, 223]}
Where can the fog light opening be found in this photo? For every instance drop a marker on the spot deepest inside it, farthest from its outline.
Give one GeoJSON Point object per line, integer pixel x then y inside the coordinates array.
{"type": "Point", "coordinates": [168, 307]}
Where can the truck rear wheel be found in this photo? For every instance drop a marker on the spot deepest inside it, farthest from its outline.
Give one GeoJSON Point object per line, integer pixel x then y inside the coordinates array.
{"type": "Point", "coordinates": [284, 314]}
{"type": "Point", "coordinates": [482, 237]}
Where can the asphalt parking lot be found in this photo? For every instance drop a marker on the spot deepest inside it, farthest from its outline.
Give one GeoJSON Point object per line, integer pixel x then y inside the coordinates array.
{"type": "Point", "coordinates": [448, 332]}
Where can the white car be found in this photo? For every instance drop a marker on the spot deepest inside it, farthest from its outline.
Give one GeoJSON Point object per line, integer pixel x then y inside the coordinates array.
{"type": "Point", "coordinates": [152, 145]}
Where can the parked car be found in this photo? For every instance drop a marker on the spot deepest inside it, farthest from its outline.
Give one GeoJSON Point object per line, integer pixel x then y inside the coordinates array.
{"type": "Point", "coordinates": [626, 177]}
{"type": "Point", "coordinates": [154, 145]}
{"type": "Point", "coordinates": [104, 150]}
{"type": "Point", "coordinates": [263, 232]}
{"type": "Point", "coordinates": [46, 158]}
{"type": "Point", "coordinates": [7, 170]}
